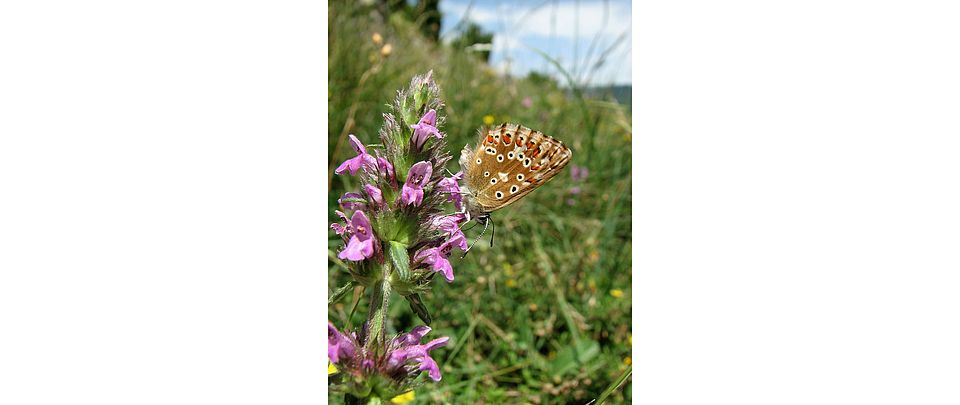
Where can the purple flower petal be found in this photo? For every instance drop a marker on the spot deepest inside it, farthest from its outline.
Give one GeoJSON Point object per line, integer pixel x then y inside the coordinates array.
{"type": "Point", "coordinates": [341, 229]}
{"type": "Point", "coordinates": [419, 353]}
{"type": "Point", "coordinates": [426, 127]}
{"type": "Point", "coordinates": [417, 177]}
{"type": "Point", "coordinates": [360, 245]}
{"type": "Point", "coordinates": [414, 337]}
{"type": "Point", "coordinates": [451, 185]}
{"type": "Point", "coordinates": [362, 160]}
{"type": "Point", "coordinates": [436, 257]}
{"type": "Point", "coordinates": [339, 345]}
{"type": "Point", "coordinates": [351, 205]}
{"type": "Point", "coordinates": [386, 169]}
{"type": "Point", "coordinates": [375, 194]}
{"type": "Point", "coordinates": [579, 173]}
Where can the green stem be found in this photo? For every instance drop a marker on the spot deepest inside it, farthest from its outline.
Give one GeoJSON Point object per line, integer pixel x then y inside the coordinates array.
{"type": "Point", "coordinates": [377, 316]}
{"type": "Point", "coordinates": [614, 386]}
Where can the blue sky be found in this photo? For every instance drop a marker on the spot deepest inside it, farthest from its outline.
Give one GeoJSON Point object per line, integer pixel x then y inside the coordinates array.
{"type": "Point", "coordinates": [564, 29]}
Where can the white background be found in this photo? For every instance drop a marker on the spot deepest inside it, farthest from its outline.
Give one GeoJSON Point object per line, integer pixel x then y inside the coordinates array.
{"type": "Point", "coordinates": [797, 213]}
{"type": "Point", "coordinates": [162, 169]}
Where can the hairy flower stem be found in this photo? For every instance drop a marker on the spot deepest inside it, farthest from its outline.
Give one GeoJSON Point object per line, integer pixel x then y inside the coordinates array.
{"type": "Point", "coordinates": [377, 316]}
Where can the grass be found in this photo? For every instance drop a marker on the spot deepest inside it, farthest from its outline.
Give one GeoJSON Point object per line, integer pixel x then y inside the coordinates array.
{"type": "Point", "coordinates": [544, 315]}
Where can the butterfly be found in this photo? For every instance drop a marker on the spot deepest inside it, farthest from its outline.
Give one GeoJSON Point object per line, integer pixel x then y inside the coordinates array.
{"type": "Point", "coordinates": [508, 163]}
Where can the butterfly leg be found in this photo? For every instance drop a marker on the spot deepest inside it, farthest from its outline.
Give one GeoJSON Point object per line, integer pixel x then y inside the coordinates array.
{"type": "Point", "coordinates": [486, 221]}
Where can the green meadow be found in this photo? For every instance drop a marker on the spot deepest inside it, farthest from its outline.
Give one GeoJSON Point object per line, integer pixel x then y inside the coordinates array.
{"type": "Point", "coordinates": [543, 316]}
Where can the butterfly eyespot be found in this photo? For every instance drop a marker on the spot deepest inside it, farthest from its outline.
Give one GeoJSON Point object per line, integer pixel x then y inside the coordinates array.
{"type": "Point", "coordinates": [491, 151]}
{"type": "Point", "coordinates": [507, 139]}
{"type": "Point", "coordinates": [519, 176]}
{"type": "Point", "coordinates": [526, 162]}
{"type": "Point", "coordinates": [520, 156]}
{"type": "Point", "coordinates": [510, 156]}
{"type": "Point", "coordinates": [499, 195]}
{"type": "Point", "coordinates": [493, 180]}
{"type": "Point", "coordinates": [486, 174]}
{"type": "Point", "coordinates": [499, 158]}
{"type": "Point", "coordinates": [479, 161]}
{"type": "Point", "coordinates": [489, 139]}
{"type": "Point", "coordinates": [513, 189]}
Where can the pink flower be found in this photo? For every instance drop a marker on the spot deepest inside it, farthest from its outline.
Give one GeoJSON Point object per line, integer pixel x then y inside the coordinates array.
{"type": "Point", "coordinates": [340, 346]}
{"type": "Point", "coordinates": [451, 185]}
{"type": "Point", "coordinates": [419, 175]}
{"type": "Point", "coordinates": [385, 168]}
{"type": "Point", "coordinates": [436, 257]}
{"type": "Point", "coordinates": [408, 348]}
{"type": "Point", "coordinates": [527, 102]}
{"type": "Point", "coordinates": [426, 127]}
{"type": "Point", "coordinates": [362, 160]}
{"type": "Point", "coordinates": [376, 196]}
{"type": "Point", "coordinates": [579, 173]}
{"type": "Point", "coordinates": [340, 229]}
{"type": "Point", "coordinates": [351, 201]}
{"type": "Point", "coordinates": [360, 245]}
{"type": "Point", "coordinates": [450, 225]}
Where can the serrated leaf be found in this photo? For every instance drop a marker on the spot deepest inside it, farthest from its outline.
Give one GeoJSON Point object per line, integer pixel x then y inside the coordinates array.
{"type": "Point", "coordinates": [416, 304]}
{"type": "Point", "coordinates": [340, 293]}
{"type": "Point", "coordinates": [400, 260]}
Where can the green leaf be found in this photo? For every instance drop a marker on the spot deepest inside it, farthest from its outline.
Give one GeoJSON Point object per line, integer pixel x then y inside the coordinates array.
{"type": "Point", "coordinates": [353, 200]}
{"type": "Point", "coordinates": [614, 386]}
{"type": "Point", "coordinates": [400, 260]}
{"type": "Point", "coordinates": [572, 356]}
{"type": "Point", "coordinates": [417, 306]}
{"type": "Point", "coordinates": [340, 293]}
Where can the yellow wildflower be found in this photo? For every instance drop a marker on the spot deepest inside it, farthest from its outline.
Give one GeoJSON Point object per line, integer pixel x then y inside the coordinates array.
{"type": "Point", "coordinates": [404, 398]}
{"type": "Point", "coordinates": [377, 38]}
{"type": "Point", "coordinates": [331, 369]}
{"type": "Point", "coordinates": [488, 119]}
{"type": "Point", "coordinates": [511, 283]}
{"type": "Point", "coordinates": [627, 360]}
{"type": "Point", "coordinates": [616, 293]}
{"type": "Point", "coordinates": [386, 50]}
{"type": "Point", "coordinates": [532, 306]}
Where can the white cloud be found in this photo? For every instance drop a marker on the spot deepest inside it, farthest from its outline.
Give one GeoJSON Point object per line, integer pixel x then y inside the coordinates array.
{"type": "Point", "coordinates": [554, 27]}
{"type": "Point", "coordinates": [565, 20]}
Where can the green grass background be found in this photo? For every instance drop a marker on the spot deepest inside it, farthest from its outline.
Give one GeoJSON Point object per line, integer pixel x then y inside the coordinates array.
{"type": "Point", "coordinates": [544, 315]}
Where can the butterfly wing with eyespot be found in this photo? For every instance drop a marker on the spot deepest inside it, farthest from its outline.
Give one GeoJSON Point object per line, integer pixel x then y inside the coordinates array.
{"type": "Point", "coordinates": [509, 162]}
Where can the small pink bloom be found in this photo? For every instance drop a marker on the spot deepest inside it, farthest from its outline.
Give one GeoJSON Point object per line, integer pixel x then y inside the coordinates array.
{"type": "Point", "coordinates": [436, 257]}
{"type": "Point", "coordinates": [376, 196]}
{"type": "Point", "coordinates": [349, 201]}
{"type": "Point", "coordinates": [419, 175]}
{"type": "Point", "coordinates": [451, 185]}
{"type": "Point", "coordinates": [362, 160]}
{"type": "Point", "coordinates": [340, 346]}
{"type": "Point", "coordinates": [450, 225]}
{"type": "Point", "coordinates": [360, 245]}
{"type": "Point", "coordinates": [426, 127]}
{"type": "Point", "coordinates": [385, 168]}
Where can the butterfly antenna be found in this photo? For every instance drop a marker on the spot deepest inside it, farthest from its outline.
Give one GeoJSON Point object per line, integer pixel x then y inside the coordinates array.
{"type": "Point", "coordinates": [485, 224]}
{"type": "Point", "coordinates": [493, 232]}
